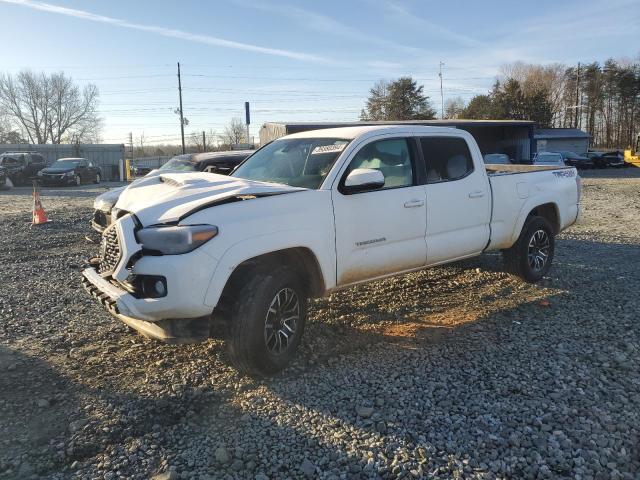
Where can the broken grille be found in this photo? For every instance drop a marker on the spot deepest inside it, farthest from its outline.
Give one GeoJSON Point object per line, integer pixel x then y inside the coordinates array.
{"type": "Point", "coordinates": [109, 251]}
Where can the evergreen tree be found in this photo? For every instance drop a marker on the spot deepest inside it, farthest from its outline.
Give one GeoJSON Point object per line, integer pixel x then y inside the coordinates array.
{"type": "Point", "coordinates": [401, 99]}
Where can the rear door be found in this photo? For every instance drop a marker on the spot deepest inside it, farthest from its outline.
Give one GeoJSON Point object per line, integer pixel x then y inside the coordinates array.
{"type": "Point", "coordinates": [83, 170]}
{"type": "Point", "coordinates": [382, 231]}
{"type": "Point", "coordinates": [92, 170]}
{"type": "Point", "coordinates": [458, 199]}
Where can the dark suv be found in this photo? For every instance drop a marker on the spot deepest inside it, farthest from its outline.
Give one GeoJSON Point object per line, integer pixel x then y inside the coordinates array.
{"type": "Point", "coordinates": [213, 162]}
{"type": "Point", "coordinates": [20, 167]}
{"type": "Point", "coordinates": [70, 171]}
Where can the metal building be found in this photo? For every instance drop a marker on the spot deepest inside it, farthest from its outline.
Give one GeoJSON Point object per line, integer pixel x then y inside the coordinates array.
{"type": "Point", "coordinates": [561, 140]}
{"type": "Point", "coordinates": [511, 137]}
{"type": "Point", "coordinates": [109, 157]}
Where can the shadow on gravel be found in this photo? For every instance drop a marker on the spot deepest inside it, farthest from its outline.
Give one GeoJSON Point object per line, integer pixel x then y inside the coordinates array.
{"type": "Point", "coordinates": [628, 172]}
{"type": "Point", "coordinates": [35, 405]}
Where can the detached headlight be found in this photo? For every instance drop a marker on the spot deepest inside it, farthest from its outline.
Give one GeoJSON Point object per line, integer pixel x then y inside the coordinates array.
{"type": "Point", "coordinates": [176, 240]}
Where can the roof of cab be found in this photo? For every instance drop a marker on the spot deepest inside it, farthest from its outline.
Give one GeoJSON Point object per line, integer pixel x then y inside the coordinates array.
{"type": "Point", "coordinates": [349, 133]}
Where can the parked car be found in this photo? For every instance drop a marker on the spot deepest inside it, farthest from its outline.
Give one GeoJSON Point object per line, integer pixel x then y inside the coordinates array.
{"type": "Point", "coordinates": [310, 213]}
{"type": "Point", "coordinates": [70, 171]}
{"type": "Point", "coordinates": [574, 160]}
{"type": "Point", "coordinates": [215, 162]}
{"type": "Point", "coordinates": [21, 167]}
{"type": "Point", "coordinates": [497, 159]}
{"type": "Point", "coordinates": [141, 171]}
{"type": "Point", "coordinates": [607, 159]}
{"type": "Point", "coordinates": [3, 177]}
{"type": "Point", "coordinates": [549, 158]}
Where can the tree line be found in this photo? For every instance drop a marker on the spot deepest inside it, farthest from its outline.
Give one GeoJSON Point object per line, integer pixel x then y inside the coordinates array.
{"type": "Point", "coordinates": [601, 99]}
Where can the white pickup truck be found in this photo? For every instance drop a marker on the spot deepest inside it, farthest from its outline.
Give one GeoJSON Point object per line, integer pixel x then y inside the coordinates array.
{"type": "Point", "coordinates": [311, 213]}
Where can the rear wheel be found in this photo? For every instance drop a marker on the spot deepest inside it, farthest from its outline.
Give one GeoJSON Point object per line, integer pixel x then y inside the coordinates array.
{"type": "Point", "coordinates": [267, 319]}
{"type": "Point", "coordinates": [531, 256]}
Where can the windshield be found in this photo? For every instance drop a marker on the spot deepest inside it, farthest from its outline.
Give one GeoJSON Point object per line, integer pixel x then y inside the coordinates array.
{"type": "Point", "coordinates": [299, 162]}
{"type": "Point", "coordinates": [66, 164]}
{"type": "Point", "coordinates": [180, 162]}
{"type": "Point", "coordinates": [6, 160]}
{"type": "Point", "coordinates": [497, 158]}
{"type": "Point", "coordinates": [548, 157]}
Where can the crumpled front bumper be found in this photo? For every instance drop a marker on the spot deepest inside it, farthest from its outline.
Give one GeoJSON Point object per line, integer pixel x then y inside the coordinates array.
{"type": "Point", "coordinates": [181, 330]}
{"type": "Point", "coordinates": [177, 317]}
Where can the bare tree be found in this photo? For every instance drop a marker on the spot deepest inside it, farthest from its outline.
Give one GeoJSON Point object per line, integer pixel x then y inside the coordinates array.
{"type": "Point", "coordinates": [194, 139]}
{"type": "Point", "coordinates": [49, 108]}
{"type": "Point", "coordinates": [454, 107]}
{"type": "Point", "coordinates": [8, 134]}
{"type": "Point", "coordinates": [142, 139]}
{"type": "Point", "coordinates": [546, 80]}
{"type": "Point", "coordinates": [234, 132]}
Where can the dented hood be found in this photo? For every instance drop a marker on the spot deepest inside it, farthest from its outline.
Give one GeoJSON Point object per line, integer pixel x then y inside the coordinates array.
{"type": "Point", "coordinates": [172, 196]}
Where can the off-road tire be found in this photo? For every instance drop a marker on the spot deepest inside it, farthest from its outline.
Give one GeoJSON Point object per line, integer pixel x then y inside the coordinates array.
{"type": "Point", "coordinates": [248, 312]}
{"type": "Point", "coordinates": [517, 260]}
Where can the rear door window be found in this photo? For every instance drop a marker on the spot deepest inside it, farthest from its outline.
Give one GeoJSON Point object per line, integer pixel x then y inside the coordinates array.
{"type": "Point", "coordinates": [447, 158]}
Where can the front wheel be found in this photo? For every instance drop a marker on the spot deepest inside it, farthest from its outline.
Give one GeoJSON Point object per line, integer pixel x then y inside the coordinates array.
{"type": "Point", "coordinates": [268, 317]}
{"type": "Point", "coordinates": [531, 256]}
{"type": "Point", "coordinates": [77, 181]}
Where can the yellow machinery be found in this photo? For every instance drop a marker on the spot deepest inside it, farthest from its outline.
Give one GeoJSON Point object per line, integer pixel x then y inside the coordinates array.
{"type": "Point", "coordinates": [632, 156]}
{"type": "Point", "coordinates": [129, 170]}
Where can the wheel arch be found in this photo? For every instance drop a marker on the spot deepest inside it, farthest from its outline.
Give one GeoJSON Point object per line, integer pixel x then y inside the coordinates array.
{"type": "Point", "coordinates": [301, 259]}
{"type": "Point", "coordinates": [546, 209]}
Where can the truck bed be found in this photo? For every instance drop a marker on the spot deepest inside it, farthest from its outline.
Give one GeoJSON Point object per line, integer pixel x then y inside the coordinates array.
{"type": "Point", "coordinates": [516, 190]}
{"type": "Point", "coordinates": [494, 169]}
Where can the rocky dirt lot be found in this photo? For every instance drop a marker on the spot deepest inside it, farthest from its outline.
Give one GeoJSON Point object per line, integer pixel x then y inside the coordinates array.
{"type": "Point", "coordinates": [455, 372]}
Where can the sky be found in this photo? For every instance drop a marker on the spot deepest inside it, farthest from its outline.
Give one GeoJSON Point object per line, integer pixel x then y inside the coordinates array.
{"type": "Point", "coordinates": [294, 60]}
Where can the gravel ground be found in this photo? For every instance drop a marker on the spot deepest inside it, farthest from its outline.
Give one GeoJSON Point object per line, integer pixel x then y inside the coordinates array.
{"type": "Point", "coordinates": [455, 372]}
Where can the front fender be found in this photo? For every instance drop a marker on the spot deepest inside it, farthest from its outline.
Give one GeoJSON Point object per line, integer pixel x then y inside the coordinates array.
{"type": "Point", "coordinates": [321, 246]}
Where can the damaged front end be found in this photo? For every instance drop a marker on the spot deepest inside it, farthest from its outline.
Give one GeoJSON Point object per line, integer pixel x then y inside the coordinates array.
{"type": "Point", "coordinates": [151, 292]}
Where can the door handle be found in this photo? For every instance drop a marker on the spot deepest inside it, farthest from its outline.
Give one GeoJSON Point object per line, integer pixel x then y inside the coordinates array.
{"type": "Point", "coordinates": [476, 194]}
{"type": "Point", "coordinates": [413, 203]}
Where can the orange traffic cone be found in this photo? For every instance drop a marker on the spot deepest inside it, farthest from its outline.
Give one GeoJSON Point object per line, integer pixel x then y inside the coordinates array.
{"type": "Point", "coordinates": [39, 215]}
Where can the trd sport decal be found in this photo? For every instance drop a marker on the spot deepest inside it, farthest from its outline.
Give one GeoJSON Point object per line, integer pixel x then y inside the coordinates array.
{"type": "Point", "coordinates": [369, 242]}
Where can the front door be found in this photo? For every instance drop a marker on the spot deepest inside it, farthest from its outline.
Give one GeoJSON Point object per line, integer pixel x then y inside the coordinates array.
{"type": "Point", "coordinates": [382, 231]}
{"type": "Point", "coordinates": [458, 200]}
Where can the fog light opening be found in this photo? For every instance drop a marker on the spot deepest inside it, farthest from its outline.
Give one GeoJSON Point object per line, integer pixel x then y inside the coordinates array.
{"type": "Point", "coordinates": [153, 287]}
{"type": "Point", "coordinates": [160, 288]}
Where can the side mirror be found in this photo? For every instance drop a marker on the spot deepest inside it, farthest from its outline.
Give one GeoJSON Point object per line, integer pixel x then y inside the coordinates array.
{"type": "Point", "coordinates": [363, 179]}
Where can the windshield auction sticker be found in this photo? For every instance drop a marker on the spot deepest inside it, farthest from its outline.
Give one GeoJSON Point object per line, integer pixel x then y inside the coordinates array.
{"type": "Point", "coordinates": [329, 148]}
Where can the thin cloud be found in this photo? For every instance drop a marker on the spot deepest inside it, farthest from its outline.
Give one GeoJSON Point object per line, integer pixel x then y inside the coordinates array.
{"type": "Point", "coordinates": [323, 23]}
{"type": "Point", "coordinates": [409, 18]}
{"type": "Point", "coordinates": [168, 32]}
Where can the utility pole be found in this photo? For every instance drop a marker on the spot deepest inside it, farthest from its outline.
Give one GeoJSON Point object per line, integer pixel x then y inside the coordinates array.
{"type": "Point", "coordinates": [181, 115]}
{"type": "Point", "coordinates": [131, 143]}
{"type": "Point", "coordinates": [577, 97]}
{"type": "Point", "coordinates": [247, 118]}
{"type": "Point", "coordinates": [441, 91]}
{"type": "Point", "coordinates": [204, 142]}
